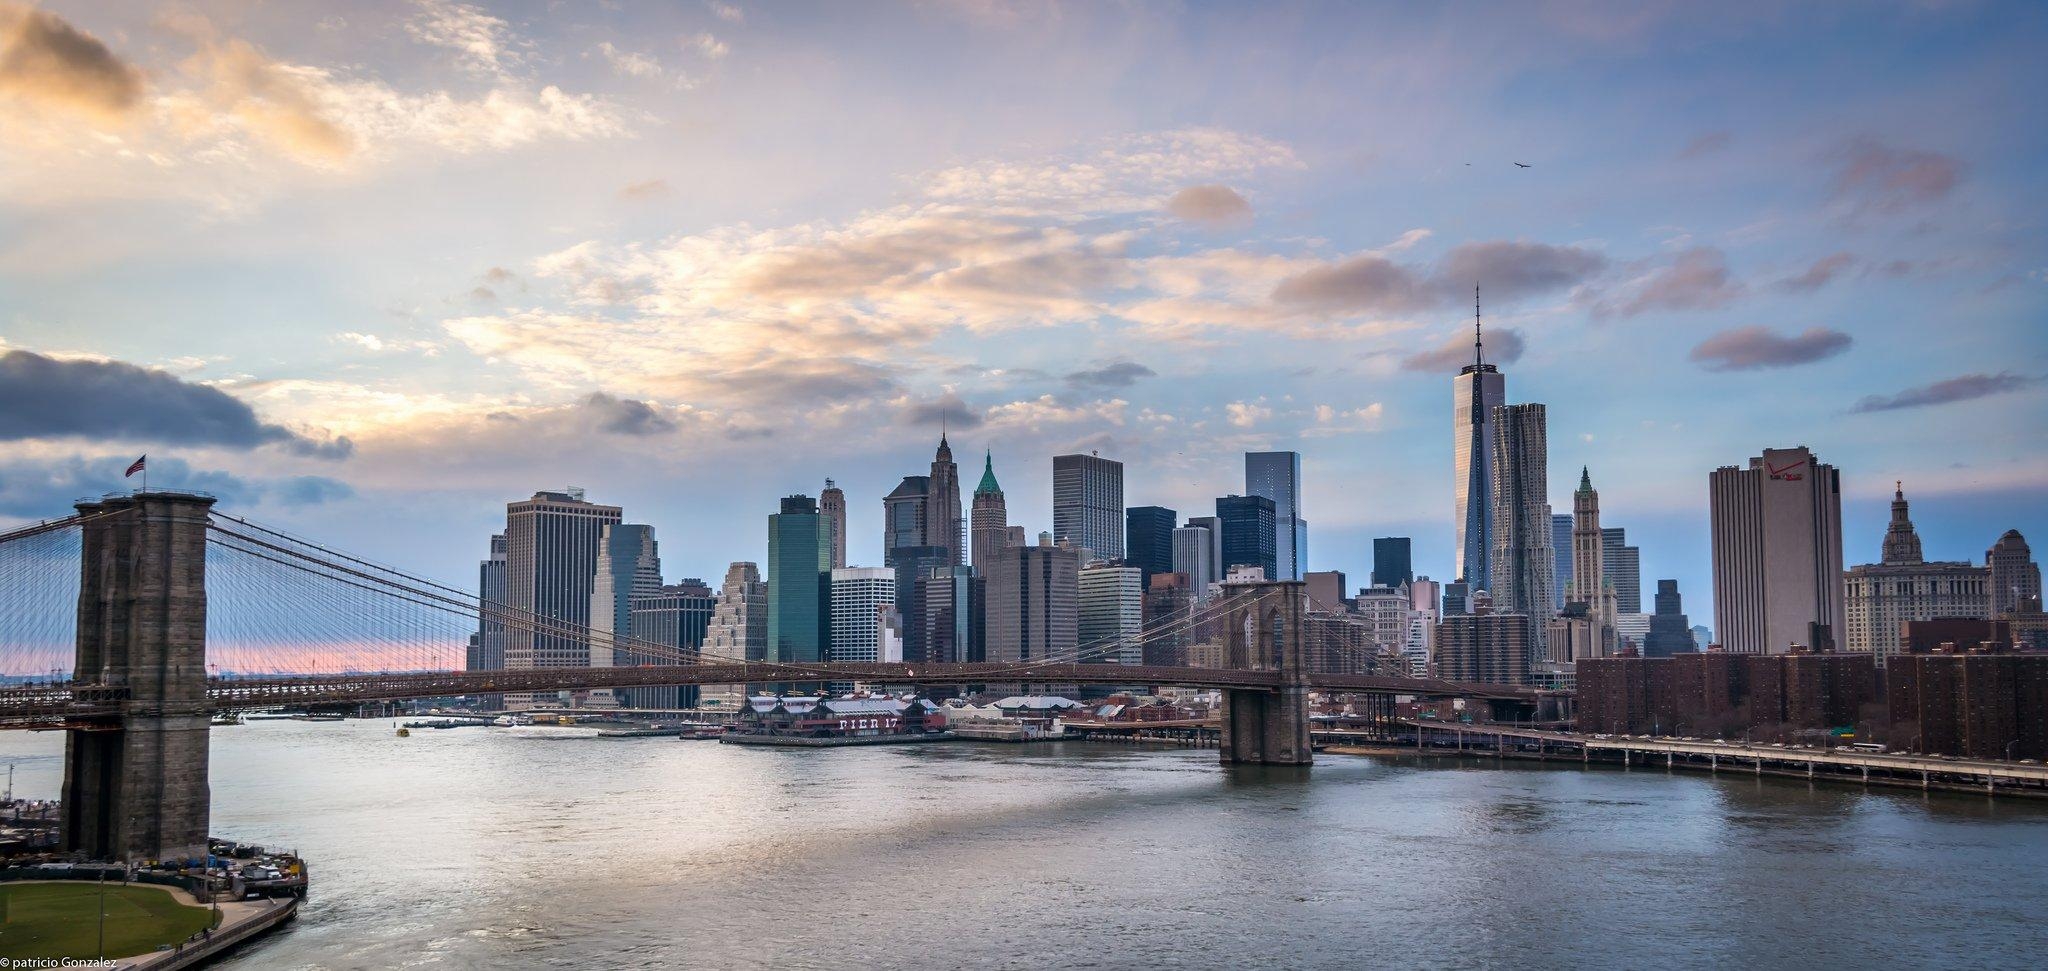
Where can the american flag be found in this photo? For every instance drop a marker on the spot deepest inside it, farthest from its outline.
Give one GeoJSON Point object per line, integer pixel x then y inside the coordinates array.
{"type": "Point", "coordinates": [137, 467]}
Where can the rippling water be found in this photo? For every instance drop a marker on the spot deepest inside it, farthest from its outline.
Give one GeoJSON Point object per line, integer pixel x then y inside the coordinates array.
{"type": "Point", "coordinates": [497, 848]}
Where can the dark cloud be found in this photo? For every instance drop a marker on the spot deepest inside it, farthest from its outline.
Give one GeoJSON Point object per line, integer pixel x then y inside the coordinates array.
{"type": "Point", "coordinates": [1121, 374]}
{"type": "Point", "coordinates": [336, 448]}
{"type": "Point", "coordinates": [1820, 274]}
{"type": "Point", "coordinates": [1696, 279]}
{"type": "Point", "coordinates": [1752, 348]}
{"type": "Point", "coordinates": [625, 416]}
{"type": "Point", "coordinates": [1210, 204]}
{"type": "Point", "coordinates": [949, 409]}
{"type": "Point", "coordinates": [1503, 346]}
{"type": "Point", "coordinates": [1963, 388]}
{"type": "Point", "coordinates": [45, 59]}
{"type": "Point", "coordinates": [1367, 282]}
{"type": "Point", "coordinates": [803, 381]}
{"type": "Point", "coordinates": [1513, 270]}
{"type": "Point", "coordinates": [1508, 270]}
{"type": "Point", "coordinates": [1705, 145]}
{"type": "Point", "coordinates": [42, 397]}
{"type": "Point", "coordinates": [1875, 177]}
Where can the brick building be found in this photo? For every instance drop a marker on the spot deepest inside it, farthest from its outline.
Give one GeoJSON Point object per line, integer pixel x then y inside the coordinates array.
{"type": "Point", "coordinates": [1979, 705]}
{"type": "Point", "coordinates": [1717, 695]}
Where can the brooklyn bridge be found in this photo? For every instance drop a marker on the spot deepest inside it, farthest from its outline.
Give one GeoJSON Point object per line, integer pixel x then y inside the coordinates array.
{"type": "Point", "coordinates": [130, 623]}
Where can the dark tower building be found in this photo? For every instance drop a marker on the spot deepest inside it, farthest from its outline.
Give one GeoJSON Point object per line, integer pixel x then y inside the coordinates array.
{"type": "Point", "coordinates": [1148, 540]}
{"type": "Point", "coordinates": [1670, 631]}
{"type": "Point", "coordinates": [1248, 537]}
{"type": "Point", "coordinates": [904, 512]}
{"type": "Point", "coordinates": [942, 523]}
{"type": "Point", "coordinates": [1391, 562]}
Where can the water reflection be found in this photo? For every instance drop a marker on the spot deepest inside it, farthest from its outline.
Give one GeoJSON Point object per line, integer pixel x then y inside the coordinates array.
{"type": "Point", "coordinates": [492, 848]}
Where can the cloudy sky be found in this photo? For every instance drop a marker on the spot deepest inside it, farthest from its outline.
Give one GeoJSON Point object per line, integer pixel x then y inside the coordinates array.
{"type": "Point", "coordinates": [368, 270]}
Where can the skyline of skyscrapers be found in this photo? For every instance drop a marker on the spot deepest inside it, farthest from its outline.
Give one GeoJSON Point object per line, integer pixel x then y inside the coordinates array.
{"type": "Point", "coordinates": [946, 603]}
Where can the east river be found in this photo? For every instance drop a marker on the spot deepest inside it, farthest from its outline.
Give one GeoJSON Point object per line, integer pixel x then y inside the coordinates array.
{"type": "Point", "coordinates": [539, 847]}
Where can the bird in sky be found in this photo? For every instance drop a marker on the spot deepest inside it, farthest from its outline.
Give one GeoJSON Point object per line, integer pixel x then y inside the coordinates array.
{"type": "Point", "coordinates": [1520, 165]}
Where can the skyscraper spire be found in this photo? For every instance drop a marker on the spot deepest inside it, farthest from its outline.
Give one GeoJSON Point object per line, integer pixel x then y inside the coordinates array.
{"type": "Point", "coordinates": [1585, 479]}
{"type": "Point", "coordinates": [1478, 345]}
{"type": "Point", "coordinates": [988, 484]}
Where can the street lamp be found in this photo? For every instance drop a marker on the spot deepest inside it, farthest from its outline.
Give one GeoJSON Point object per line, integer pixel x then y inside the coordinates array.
{"type": "Point", "coordinates": [103, 912]}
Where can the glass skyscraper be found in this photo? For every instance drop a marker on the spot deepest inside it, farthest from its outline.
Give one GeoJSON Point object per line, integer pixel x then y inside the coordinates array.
{"type": "Point", "coordinates": [1392, 564]}
{"type": "Point", "coordinates": [1148, 539]}
{"type": "Point", "coordinates": [1248, 535]}
{"type": "Point", "coordinates": [1477, 390]}
{"type": "Point", "coordinates": [1277, 476]}
{"type": "Point", "coordinates": [799, 571]}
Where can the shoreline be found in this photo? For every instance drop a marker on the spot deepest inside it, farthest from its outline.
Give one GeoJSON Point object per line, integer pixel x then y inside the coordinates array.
{"type": "Point", "coordinates": [1401, 751]}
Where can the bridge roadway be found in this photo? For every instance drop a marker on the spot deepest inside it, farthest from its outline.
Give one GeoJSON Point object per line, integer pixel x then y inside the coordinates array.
{"type": "Point", "coordinates": [1756, 755]}
{"type": "Point", "coordinates": [84, 705]}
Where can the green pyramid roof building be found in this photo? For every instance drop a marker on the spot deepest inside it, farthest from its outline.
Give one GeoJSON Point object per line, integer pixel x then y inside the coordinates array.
{"type": "Point", "coordinates": [988, 484]}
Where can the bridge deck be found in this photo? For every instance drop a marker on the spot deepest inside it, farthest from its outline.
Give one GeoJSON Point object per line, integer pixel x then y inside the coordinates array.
{"type": "Point", "coordinates": [43, 706]}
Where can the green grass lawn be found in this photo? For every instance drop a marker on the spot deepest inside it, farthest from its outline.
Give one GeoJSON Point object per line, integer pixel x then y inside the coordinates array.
{"type": "Point", "coordinates": [61, 920]}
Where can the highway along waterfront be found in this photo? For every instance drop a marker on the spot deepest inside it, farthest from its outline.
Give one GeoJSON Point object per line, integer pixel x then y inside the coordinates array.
{"type": "Point", "coordinates": [528, 847]}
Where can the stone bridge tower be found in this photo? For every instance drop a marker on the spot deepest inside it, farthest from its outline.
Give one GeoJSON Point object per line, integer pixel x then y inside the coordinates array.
{"type": "Point", "coordinates": [139, 791]}
{"type": "Point", "coordinates": [1264, 632]}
